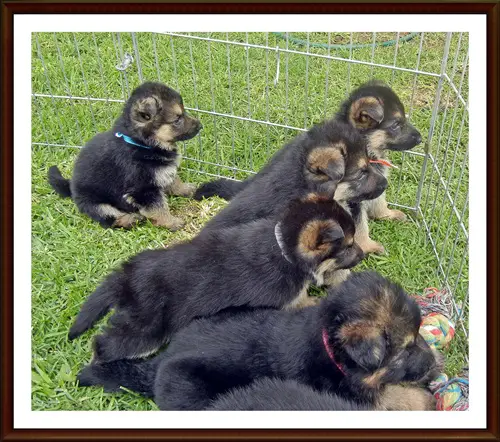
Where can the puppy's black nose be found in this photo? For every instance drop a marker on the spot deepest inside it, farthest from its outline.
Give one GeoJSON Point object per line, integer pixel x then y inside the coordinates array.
{"type": "Point", "coordinates": [417, 138]}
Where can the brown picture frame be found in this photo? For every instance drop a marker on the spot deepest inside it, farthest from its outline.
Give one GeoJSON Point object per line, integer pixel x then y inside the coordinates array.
{"type": "Point", "coordinates": [10, 8]}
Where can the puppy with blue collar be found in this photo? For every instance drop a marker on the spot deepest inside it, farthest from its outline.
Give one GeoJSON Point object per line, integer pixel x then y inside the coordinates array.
{"type": "Point", "coordinates": [123, 175]}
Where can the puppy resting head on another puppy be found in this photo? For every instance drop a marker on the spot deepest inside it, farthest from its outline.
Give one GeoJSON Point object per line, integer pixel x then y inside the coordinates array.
{"type": "Point", "coordinates": [317, 232]}
{"type": "Point", "coordinates": [371, 327]}
{"type": "Point", "coordinates": [337, 164]}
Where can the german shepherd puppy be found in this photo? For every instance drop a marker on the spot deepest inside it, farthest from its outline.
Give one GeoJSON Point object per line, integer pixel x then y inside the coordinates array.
{"type": "Point", "coordinates": [362, 337]}
{"type": "Point", "coordinates": [264, 263]}
{"type": "Point", "coordinates": [276, 394]}
{"type": "Point", "coordinates": [121, 176]}
{"type": "Point", "coordinates": [378, 114]}
{"type": "Point", "coordinates": [330, 158]}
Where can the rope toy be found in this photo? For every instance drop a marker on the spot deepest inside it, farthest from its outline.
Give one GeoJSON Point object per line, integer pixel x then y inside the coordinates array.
{"type": "Point", "coordinates": [438, 330]}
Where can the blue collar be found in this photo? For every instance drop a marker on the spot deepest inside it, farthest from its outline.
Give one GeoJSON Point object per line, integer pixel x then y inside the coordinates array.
{"type": "Point", "coordinates": [129, 140]}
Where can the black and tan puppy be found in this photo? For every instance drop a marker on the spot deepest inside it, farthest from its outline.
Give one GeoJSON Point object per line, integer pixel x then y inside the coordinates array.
{"type": "Point", "coordinates": [123, 175]}
{"type": "Point", "coordinates": [357, 341]}
{"type": "Point", "coordinates": [330, 158]}
{"type": "Point", "coordinates": [264, 263]}
{"type": "Point", "coordinates": [378, 114]}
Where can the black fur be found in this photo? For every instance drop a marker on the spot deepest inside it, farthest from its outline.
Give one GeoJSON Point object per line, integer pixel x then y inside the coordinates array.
{"type": "Point", "coordinates": [157, 292]}
{"type": "Point", "coordinates": [278, 394]}
{"type": "Point", "coordinates": [288, 175]}
{"type": "Point", "coordinates": [60, 184]}
{"type": "Point", "coordinates": [112, 178]}
{"type": "Point", "coordinates": [370, 324]}
{"type": "Point", "coordinates": [223, 188]}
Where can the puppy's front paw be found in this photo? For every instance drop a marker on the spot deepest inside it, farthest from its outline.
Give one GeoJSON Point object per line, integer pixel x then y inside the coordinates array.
{"type": "Point", "coordinates": [127, 221]}
{"type": "Point", "coordinates": [188, 189]}
{"type": "Point", "coordinates": [406, 398]}
{"type": "Point", "coordinates": [171, 223]}
{"type": "Point", "coordinates": [396, 215]}
{"type": "Point", "coordinates": [371, 246]}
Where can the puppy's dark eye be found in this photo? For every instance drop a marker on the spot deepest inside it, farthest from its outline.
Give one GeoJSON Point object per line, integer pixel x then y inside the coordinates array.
{"type": "Point", "coordinates": [145, 116]}
{"type": "Point", "coordinates": [396, 125]}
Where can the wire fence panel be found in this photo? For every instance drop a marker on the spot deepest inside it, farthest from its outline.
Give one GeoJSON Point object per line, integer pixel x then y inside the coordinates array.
{"type": "Point", "coordinates": [255, 91]}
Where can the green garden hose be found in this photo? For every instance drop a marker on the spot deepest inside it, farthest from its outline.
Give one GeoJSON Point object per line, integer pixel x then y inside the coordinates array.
{"type": "Point", "coordinates": [300, 42]}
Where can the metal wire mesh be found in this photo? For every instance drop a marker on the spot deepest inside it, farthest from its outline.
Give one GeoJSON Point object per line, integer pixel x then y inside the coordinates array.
{"type": "Point", "coordinates": [255, 91]}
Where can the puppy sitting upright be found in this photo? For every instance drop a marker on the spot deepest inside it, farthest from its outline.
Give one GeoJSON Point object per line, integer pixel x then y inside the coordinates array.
{"type": "Point", "coordinates": [264, 263]}
{"type": "Point", "coordinates": [378, 114]}
{"type": "Point", "coordinates": [121, 176]}
{"type": "Point", "coordinates": [330, 158]}
{"type": "Point", "coordinates": [356, 343]}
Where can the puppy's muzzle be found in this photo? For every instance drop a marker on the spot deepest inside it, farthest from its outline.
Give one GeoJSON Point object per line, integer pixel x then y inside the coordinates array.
{"type": "Point", "coordinates": [193, 127]}
{"type": "Point", "coordinates": [350, 257]}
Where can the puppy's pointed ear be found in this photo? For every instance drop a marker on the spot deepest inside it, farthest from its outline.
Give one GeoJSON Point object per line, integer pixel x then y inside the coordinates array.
{"type": "Point", "coordinates": [364, 343]}
{"type": "Point", "coordinates": [366, 112]}
{"type": "Point", "coordinates": [146, 109]}
{"type": "Point", "coordinates": [327, 163]}
{"type": "Point", "coordinates": [317, 237]}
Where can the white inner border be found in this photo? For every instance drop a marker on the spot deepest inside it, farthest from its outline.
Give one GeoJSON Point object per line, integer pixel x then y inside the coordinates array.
{"type": "Point", "coordinates": [24, 25]}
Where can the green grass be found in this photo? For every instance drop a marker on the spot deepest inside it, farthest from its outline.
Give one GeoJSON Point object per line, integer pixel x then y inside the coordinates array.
{"type": "Point", "coordinates": [71, 254]}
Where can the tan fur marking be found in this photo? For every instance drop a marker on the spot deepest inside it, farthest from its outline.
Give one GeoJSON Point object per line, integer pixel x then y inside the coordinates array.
{"type": "Point", "coordinates": [408, 339]}
{"type": "Point", "coordinates": [328, 265]}
{"type": "Point", "coordinates": [356, 116]}
{"type": "Point", "coordinates": [397, 115]}
{"type": "Point", "coordinates": [127, 220]}
{"type": "Point", "coordinates": [376, 143]}
{"type": "Point", "coordinates": [362, 162]}
{"type": "Point", "coordinates": [404, 398]}
{"type": "Point", "coordinates": [313, 198]}
{"type": "Point", "coordinates": [122, 219]}
{"type": "Point", "coordinates": [181, 189]}
{"type": "Point", "coordinates": [176, 109]}
{"type": "Point", "coordinates": [362, 237]}
{"type": "Point", "coordinates": [359, 330]}
{"type": "Point", "coordinates": [165, 176]}
{"type": "Point", "coordinates": [161, 216]}
{"type": "Point", "coordinates": [308, 238]}
{"type": "Point", "coordinates": [343, 192]}
{"type": "Point", "coordinates": [108, 210]}
{"type": "Point", "coordinates": [335, 277]}
{"type": "Point", "coordinates": [321, 156]}
{"type": "Point", "coordinates": [302, 300]}
{"type": "Point", "coordinates": [375, 379]}
{"type": "Point", "coordinates": [165, 136]}
{"type": "Point", "coordinates": [380, 309]}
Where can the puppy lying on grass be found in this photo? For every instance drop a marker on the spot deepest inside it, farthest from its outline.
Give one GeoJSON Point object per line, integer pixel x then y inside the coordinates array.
{"type": "Point", "coordinates": [358, 341]}
{"type": "Point", "coordinates": [122, 176]}
{"type": "Point", "coordinates": [263, 263]}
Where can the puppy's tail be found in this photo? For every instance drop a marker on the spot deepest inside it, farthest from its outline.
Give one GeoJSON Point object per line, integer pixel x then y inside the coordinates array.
{"type": "Point", "coordinates": [97, 304]}
{"type": "Point", "coordinates": [222, 188]}
{"type": "Point", "coordinates": [58, 182]}
{"type": "Point", "coordinates": [136, 375]}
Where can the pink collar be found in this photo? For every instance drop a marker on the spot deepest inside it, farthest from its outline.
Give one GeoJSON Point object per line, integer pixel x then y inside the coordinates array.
{"type": "Point", "coordinates": [330, 351]}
